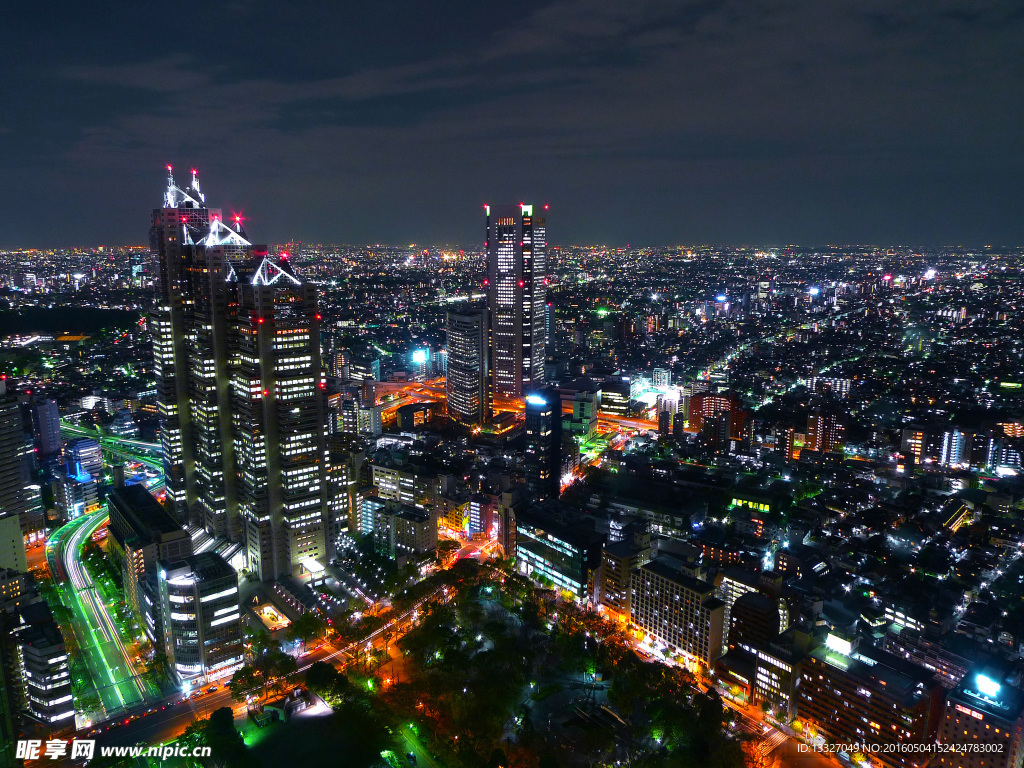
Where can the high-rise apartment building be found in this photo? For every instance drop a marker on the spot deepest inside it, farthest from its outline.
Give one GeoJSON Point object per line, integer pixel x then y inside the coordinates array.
{"type": "Point", "coordinates": [618, 561]}
{"type": "Point", "coordinates": [467, 376]}
{"type": "Point", "coordinates": [708, 406]}
{"type": "Point", "coordinates": [840, 388]}
{"type": "Point", "coordinates": [516, 298]}
{"type": "Point", "coordinates": [785, 442]}
{"type": "Point", "coordinates": [243, 416]}
{"type": "Point", "coordinates": [826, 430]}
{"type": "Point", "coordinates": [678, 611]}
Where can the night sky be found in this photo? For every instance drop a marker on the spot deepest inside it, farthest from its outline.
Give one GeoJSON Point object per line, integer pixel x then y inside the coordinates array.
{"type": "Point", "coordinates": [755, 121]}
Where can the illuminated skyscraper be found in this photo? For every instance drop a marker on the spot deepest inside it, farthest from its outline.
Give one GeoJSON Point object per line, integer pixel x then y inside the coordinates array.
{"type": "Point", "coordinates": [516, 298]}
{"type": "Point", "coordinates": [543, 459]}
{"type": "Point", "coordinates": [236, 344]}
{"type": "Point", "coordinates": [280, 420]}
{"type": "Point", "coordinates": [46, 419]}
{"type": "Point", "coordinates": [184, 214]}
{"type": "Point", "coordinates": [467, 379]}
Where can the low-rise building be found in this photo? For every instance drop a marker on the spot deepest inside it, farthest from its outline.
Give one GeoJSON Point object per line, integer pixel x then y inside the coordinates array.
{"type": "Point", "coordinates": [561, 553]}
{"type": "Point", "coordinates": [42, 668]}
{"type": "Point", "coordinates": [201, 621]}
{"type": "Point", "coordinates": [400, 530]}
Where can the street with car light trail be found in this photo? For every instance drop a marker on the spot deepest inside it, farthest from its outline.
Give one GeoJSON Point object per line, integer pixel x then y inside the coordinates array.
{"type": "Point", "coordinates": [119, 686]}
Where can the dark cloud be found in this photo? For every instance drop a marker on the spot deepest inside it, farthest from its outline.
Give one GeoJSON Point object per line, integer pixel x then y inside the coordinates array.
{"type": "Point", "coordinates": [654, 122]}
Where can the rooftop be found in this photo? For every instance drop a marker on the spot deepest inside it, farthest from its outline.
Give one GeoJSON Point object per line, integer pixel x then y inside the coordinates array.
{"type": "Point", "coordinates": [142, 510]}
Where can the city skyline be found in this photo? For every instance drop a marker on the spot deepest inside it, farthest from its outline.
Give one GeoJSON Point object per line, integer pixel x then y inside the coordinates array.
{"type": "Point", "coordinates": [770, 480]}
{"type": "Point", "coordinates": [350, 464]}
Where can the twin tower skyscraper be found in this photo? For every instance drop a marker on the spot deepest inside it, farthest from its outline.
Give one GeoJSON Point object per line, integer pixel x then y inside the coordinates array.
{"type": "Point", "coordinates": [498, 351]}
{"type": "Point", "coordinates": [236, 343]}
{"type": "Point", "coordinates": [236, 347]}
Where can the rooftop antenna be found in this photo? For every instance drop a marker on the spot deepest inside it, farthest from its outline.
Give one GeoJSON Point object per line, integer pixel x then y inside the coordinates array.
{"type": "Point", "coordinates": [169, 199]}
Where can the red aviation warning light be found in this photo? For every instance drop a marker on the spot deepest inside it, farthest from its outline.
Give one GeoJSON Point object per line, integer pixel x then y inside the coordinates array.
{"type": "Point", "coordinates": [169, 169]}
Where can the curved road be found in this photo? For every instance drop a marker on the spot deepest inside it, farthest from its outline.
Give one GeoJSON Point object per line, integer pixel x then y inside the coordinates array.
{"type": "Point", "coordinates": [102, 648]}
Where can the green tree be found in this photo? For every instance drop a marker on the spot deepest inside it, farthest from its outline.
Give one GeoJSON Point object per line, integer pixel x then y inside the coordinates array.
{"type": "Point", "coordinates": [156, 668]}
{"type": "Point", "coordinates": [446, 548]}
{"type": "Point", "coordinates": [194, 734]}
{"type": "Point", "coordinates": [307, 627]}
{"type": "Point", "coordinates": [321, 678]}
{"type": "Point", "coordinates": [273, 669]}
{"type": "Point", "coordinates": [257, 642]}
{"type": "Point", "coordinates": [226, 745]}
{"type": "Point", "coordinates": [244, 681]}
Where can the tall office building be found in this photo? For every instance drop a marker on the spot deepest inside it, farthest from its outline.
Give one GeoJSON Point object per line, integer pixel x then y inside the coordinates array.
{"type": "Point", "coordinates": [237, 359]}
{"type": "Point", "coordinates": [84, 456]}
{"type": "Point", "coordinates": [41, 666]}
{"type": "Point", "coordinates": [543, 458]}
{"type": "Point", "coordinates": [214, 270]}
{"type": "Point", "coordinates": [47, 424]}
{"type": "Point", "coordinates": [18, 496]}
{"type": "Point", "coordinates": [467, 378]}
{"type": "Point", "coordinates": [175, 228]}
{"type": "Point", "coordinates": [8, 733]}
{"type": "Point", "coordinates": [516, 298]}
{"type": "Point", "coordinates": [280, 417]}
{"type": "Point", "coordinates": [142, 532]}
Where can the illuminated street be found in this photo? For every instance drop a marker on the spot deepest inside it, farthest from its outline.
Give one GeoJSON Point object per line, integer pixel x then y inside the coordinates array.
{"type": "Point", "coordinates": [109, 661]}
